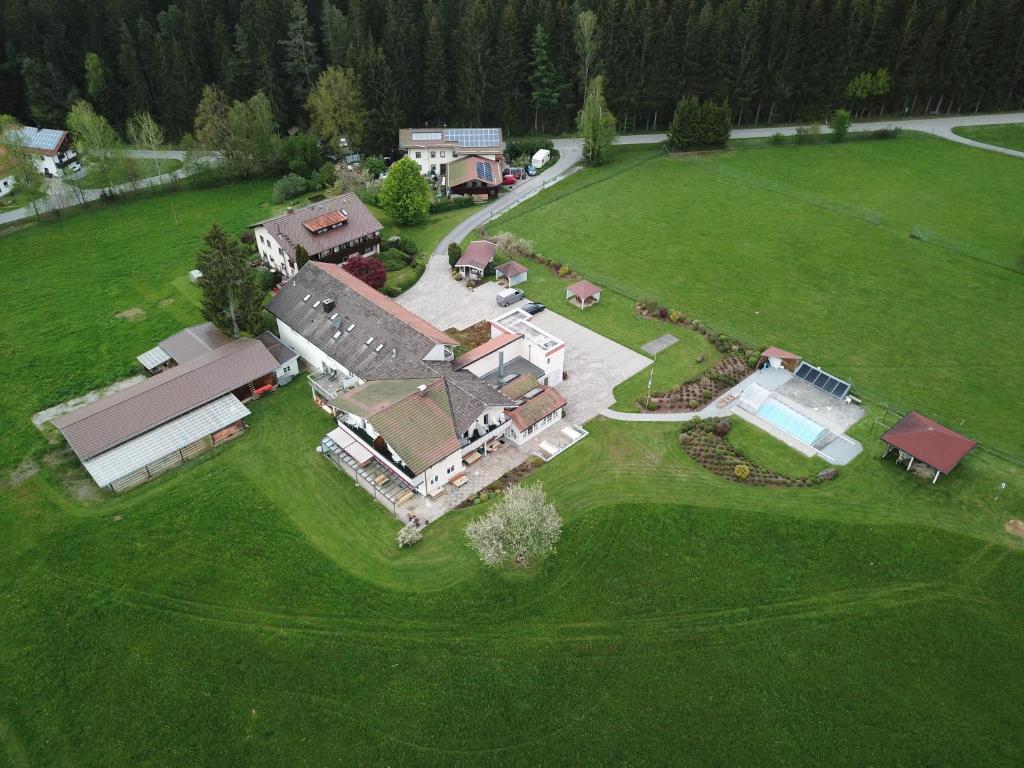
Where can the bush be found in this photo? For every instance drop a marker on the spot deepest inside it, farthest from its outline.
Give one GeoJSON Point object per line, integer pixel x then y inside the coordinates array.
{"type": "Point", "coordinates": [807, 134]}
{"type": "Point", "coordinates": [563, 270]}
{"type": "Point", "coordinates": [840, 125]}
{"type": "Point", "coordinates": [662, 313]}
{"type": "Point", "coordinates": [752, 361]}
{"type": "Point", "coordinates": [393, 259]}
{"type": "Point", "coordinates": [457, 276]}
{"type": "Point", "coordinates": [324, 177]}
{"type": "Point", "coordinates": [887, 133]}
{"type": "Point", "coordinates": [527, 146]}
{"type": "Point", "coordinates": [512, 247]}
{"type": "Point", "coordinates": [408, 245]}
{"type": "Point", "coordinates": [676, 316]}
{"type": "Point", "coordinates": [454, 253]}
{"type": "Point", "coordinates": [705, 394]}
{"type": "Point", "coordinates": [289, 186]}
{"type": "Point", "coordinates": [778, 139]}
{"type": "Point", "coordinates": [266, 279]}
{"type": "Point", "coordinates": [697, 125]}
{"type": "Point", "coordinates": [742, 471]}
{"type": "Point", "coordinates": [374, 165]}
{"type": "Point", "coordinates": [649, 305]}
{"type": "Point", "coordinates": [368, 269]}
{"type": "Point", "coordinates": [442, 204]}
{"type": "Point", "coordinates": [722, 427]}
{"type": "Point", "coordinates": [408, 535]}
{"type": "Point", "coordinates": [404, 194]}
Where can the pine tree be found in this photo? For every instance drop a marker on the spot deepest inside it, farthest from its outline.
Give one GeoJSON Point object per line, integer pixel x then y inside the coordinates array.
{"type": "Point", "coordinates": [547, 88]}
{"type": "Point", "coordinates": [300, 58]}
{"type": "Point", "coordinates": [334, 33]}
{"type": "Point", "coordinates": [232, 299]}
{"type": "Point", "coordinates": [435, 66]}
{"type": "Point", "coordinates": [380, 97]}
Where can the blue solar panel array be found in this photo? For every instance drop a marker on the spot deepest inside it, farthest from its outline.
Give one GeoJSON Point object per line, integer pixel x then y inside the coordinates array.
{"type": "Point", "coordinates": [483, 170]}
{"type": "Point", "coordinates": [474, 137]}
{"type": "Point", "coordinates": [826, 382]}
{"type": "Point", "coordinates": [41, 138]}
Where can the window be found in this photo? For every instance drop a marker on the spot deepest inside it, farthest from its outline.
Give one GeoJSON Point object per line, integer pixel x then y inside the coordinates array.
{"type": "Point", "coordinates": [450, 470]}
{"type": "Point", "coordinates": [433, 153]}
{"type": "Point", "coordinates": [442, 153]}
{"type": "Point", "coordinates": [418, 155]}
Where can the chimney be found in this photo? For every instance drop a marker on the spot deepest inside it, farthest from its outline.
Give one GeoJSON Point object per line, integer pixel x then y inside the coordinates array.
{"type": "Point", "coordinates": [501, 365]}
{"type": "Point", "coordinates": [328, 304]}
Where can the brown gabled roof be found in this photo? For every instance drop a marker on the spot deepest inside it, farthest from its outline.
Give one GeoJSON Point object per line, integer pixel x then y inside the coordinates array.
{"type": "Point", "coordinates": [103, 424]}
{"type": "Point", "coordinates": [780, 353]}
{"type": "Point", "coordinates": [929, 441]}
{"type": "Point", "coordinates": [536, 408]}
{"type": "Point", "coordinates": [193, 342]}
{"type": "Point", "coordinates": [583, 290]}
{"type": "Point", "coordinates": [488, 347]}
{"type": "Point", "coordinates": [420, 427]}
{"type": "Point", "coordinates": [281, 351]}
{"type": "Point", "coordinates": [474, 168]}
{"type": "Point", "coordinates": [510, 269]}
{"type": "Point", "coordinates": [478, 254]}
{"type": "Point", "coordinates": [387, 304]}
{"type": "Point", "coordinates": [519, 386]}
{"type": "Point", "coordinates": [351, 221]}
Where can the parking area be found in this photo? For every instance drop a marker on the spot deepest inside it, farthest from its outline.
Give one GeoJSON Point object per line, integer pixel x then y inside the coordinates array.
{"type": "Point", "coordinates": [594, 364]}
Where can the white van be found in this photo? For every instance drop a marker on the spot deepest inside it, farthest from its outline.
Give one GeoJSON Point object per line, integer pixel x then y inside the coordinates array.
{"type": "Point", "coordinates": [509, 296]}
{"type": "Point", "coordinates": [540, 157]}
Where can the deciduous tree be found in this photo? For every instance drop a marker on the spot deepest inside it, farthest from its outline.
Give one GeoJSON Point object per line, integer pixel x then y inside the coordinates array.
{"type": "Point", "coordinates": [335, 108]}
{"type": "Point", "coordinates": [144, 133]}
{"type": "Point", "coordinates": [405, 194]}
{"type": "Point", "coordinates": [96, 140]}
{"type": "Point", "coordinates": [596, 124]}
{"type": "Point", "coordinates": [522, 527]}
{"type": "Point", "coordinates": [369, 269]}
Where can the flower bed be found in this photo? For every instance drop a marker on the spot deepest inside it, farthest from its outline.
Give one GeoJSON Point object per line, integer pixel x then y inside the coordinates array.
{"type": "Point", "coordinates": [706, 442]}
{"type": "Point", "coordinates": [694, 394]}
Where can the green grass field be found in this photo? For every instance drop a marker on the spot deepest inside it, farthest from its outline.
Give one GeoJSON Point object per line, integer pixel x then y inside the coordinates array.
{"type": "Point", "coordinates": [1009, 135]}
{"type": "Point", "coordinates": [810, 249]}
{"type": "Point", "coordinates": [251, 607]}
{"type": "Point", "coordinates": [124, 171]}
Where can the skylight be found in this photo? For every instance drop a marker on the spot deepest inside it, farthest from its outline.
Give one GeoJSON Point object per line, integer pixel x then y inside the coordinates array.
{"type": "Point", "coordinates": [306, 297]}
{"type": "Point", "coordinates": [369, 341]}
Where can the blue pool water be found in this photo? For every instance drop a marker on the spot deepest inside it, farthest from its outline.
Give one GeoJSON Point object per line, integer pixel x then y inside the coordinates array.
{"type": "Point", "coordinates": [788, 420]}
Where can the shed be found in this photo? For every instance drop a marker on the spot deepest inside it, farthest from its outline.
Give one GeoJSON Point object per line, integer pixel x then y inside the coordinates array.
{"type": "Point", "coordinates": [773, 357]}
{"type": "Point", "coordinates": [287, 358]}
{"type": "Point", "coordinates": [475, 259]}
{"type": "Point", "coordinates": [583, 294]}
{"type": "Point", "coordinates": [918, 438]}
{"type": "Point", "coordinates": [513, 272]}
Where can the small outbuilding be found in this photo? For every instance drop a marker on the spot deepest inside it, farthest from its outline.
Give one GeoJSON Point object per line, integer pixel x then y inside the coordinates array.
{"type": "Point", "coordinates": [287, 358]}
{"type": "Point", "coordinates": [583, 294]}
{"type": "Point", "coordinates": [919, 439]}
{"type": "Point", "coordinates": [513, 272]}
{"type": "Point", "coordinates": [474, 175]}
{"type": "Point", "coordinates": [773, 357]}
{"type": "Point", "coordinates": [476, 258]}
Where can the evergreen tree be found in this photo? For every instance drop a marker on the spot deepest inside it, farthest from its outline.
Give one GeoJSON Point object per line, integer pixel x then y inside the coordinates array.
{"type": "Point", "coordinates": [300, 58]}
{"type": "Point", "coordinates": [377, 84]}
{"type": "Point", "coordinates": [232, 299]}
{"type": "Point", "coordinates": [475, 51]}
{"type": "Point", "coordinates": [334, 34]}
{"type": "Point", "coordinates": [543, 78]}
{"type": "Point", "coordinates": [435, 66]}
{"type": "Point", "coordinates": [405, 195]}
{"type": "Point", "coordinates": [699, 125]}
{"type": "Point", "coordinates": [596, 124]}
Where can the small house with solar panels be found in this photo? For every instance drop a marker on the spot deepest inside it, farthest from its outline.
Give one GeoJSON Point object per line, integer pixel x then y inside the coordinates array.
{"type": "Point", "coordinates": [330, 230]}
{"type": "Point", "coordinates": [52, 149]}
{"type": "Point", "coordinates": [434, 149]}
{"type": "Point", "coordinates": [473, 175]}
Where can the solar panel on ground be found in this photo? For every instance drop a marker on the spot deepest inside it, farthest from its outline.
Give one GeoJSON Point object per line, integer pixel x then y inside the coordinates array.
{"type": "Point", "coordinates": [826, 382]}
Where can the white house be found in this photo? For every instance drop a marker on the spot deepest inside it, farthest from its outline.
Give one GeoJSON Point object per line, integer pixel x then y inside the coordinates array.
{"type": "Point", "coordinates": [475, 259]}
{"type": "Point", "coordinates": [331, 230]}
{"type": "Point", "coordinates": [52, 148]}
{"type": "Point", "coordinates": [434, 148]}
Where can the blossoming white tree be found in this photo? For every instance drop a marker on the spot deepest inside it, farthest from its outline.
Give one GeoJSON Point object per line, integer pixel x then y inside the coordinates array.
{"type": "Point", "coordinates": [522, 526]}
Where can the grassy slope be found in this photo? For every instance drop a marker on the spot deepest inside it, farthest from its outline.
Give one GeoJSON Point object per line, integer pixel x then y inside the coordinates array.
{"type": "Point", "coordinates": [142, 169]}
{"type": "Point", "coordinates": [1009, 135]}
{"type": "Point", "coordinates": [251, 607]}
{"type": "Point", "coordinates": [751, 242]}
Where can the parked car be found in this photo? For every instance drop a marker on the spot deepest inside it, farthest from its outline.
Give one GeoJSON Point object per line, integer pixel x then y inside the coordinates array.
{"type": "Point", "coordinates": [531, 171]}
{"type": "Point", "coordinates": [533, 308]}
{"type": "Point", "coordinates": [509, 296]}
{"type": "Point", "coordinates": [519, 173]}
{"type": "Point", "coordinates": [508, 180]}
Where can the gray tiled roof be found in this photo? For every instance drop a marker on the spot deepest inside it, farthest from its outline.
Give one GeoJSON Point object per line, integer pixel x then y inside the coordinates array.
{"type": "Point", "coordinates": [100, 425]}
{"type": "Point", "coordinates": [404, 336]}
{"type": "Point", "coordinates": [289, 231]}
{"type": "Point", "coordinates": [193, 341]}
{"type": "Point", "coordinates": [281, 351]}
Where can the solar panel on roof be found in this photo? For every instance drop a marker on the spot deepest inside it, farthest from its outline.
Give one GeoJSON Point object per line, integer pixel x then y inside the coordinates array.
{"type": "Point", "coordinates": [483, 170]}
{"type": "Point", "coordinates": [45, 138]}
{"type": "Point", "coordinates": [474, 137]}
{"type": "Point", "coordinates": [426, 136]}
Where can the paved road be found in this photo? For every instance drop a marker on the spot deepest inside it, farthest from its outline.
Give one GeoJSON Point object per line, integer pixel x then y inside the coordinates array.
{"type": "Point", "coordinates": [939, 126]}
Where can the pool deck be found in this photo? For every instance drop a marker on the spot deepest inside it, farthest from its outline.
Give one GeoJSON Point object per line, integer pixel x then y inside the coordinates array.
{"type": "Point", "coordinates": [833, 414]}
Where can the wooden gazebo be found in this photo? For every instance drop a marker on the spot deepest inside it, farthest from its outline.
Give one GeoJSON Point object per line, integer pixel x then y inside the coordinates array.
{"type": "Point", "coordinates": [918, 438]}
{"type": "Point", "coordinates": [583, 294]}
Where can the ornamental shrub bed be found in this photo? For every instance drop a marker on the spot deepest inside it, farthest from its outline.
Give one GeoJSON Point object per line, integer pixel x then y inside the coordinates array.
{"type": "Point", "coordinates": [694, 394]}
{"type": "Point", "coordinates": [706, 442]}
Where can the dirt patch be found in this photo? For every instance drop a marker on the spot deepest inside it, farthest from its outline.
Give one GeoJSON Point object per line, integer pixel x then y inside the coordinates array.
{"type": "Point", "coordinates": [132, 315]}
{"type": "Point", "coordinates": [82, 489]}
{"type": "Point", "coordinates": [165, 302]}
{"type": "Point", "coordinates": [1015, 527]}
{"type": "Point", "coordinates": [22, 472]}
{"type": "Point", "coordinates": [53, 458]}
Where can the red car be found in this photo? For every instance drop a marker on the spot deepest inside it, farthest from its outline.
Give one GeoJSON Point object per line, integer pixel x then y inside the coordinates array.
{"type": "Point", "coordinates": [508, 180]}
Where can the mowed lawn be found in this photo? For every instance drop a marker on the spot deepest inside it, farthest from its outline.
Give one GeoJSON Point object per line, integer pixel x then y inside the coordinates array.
{"type": "Point", "coordinates": [1009, 135]}
{"type": "Point", "coordinates": [781, 246]}
{"type": "Point", "coordinates": [251, 607]}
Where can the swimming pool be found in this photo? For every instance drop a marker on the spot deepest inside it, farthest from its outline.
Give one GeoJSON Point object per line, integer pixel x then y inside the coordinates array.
{"type": "Point", "coordinates": [788, 420]}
